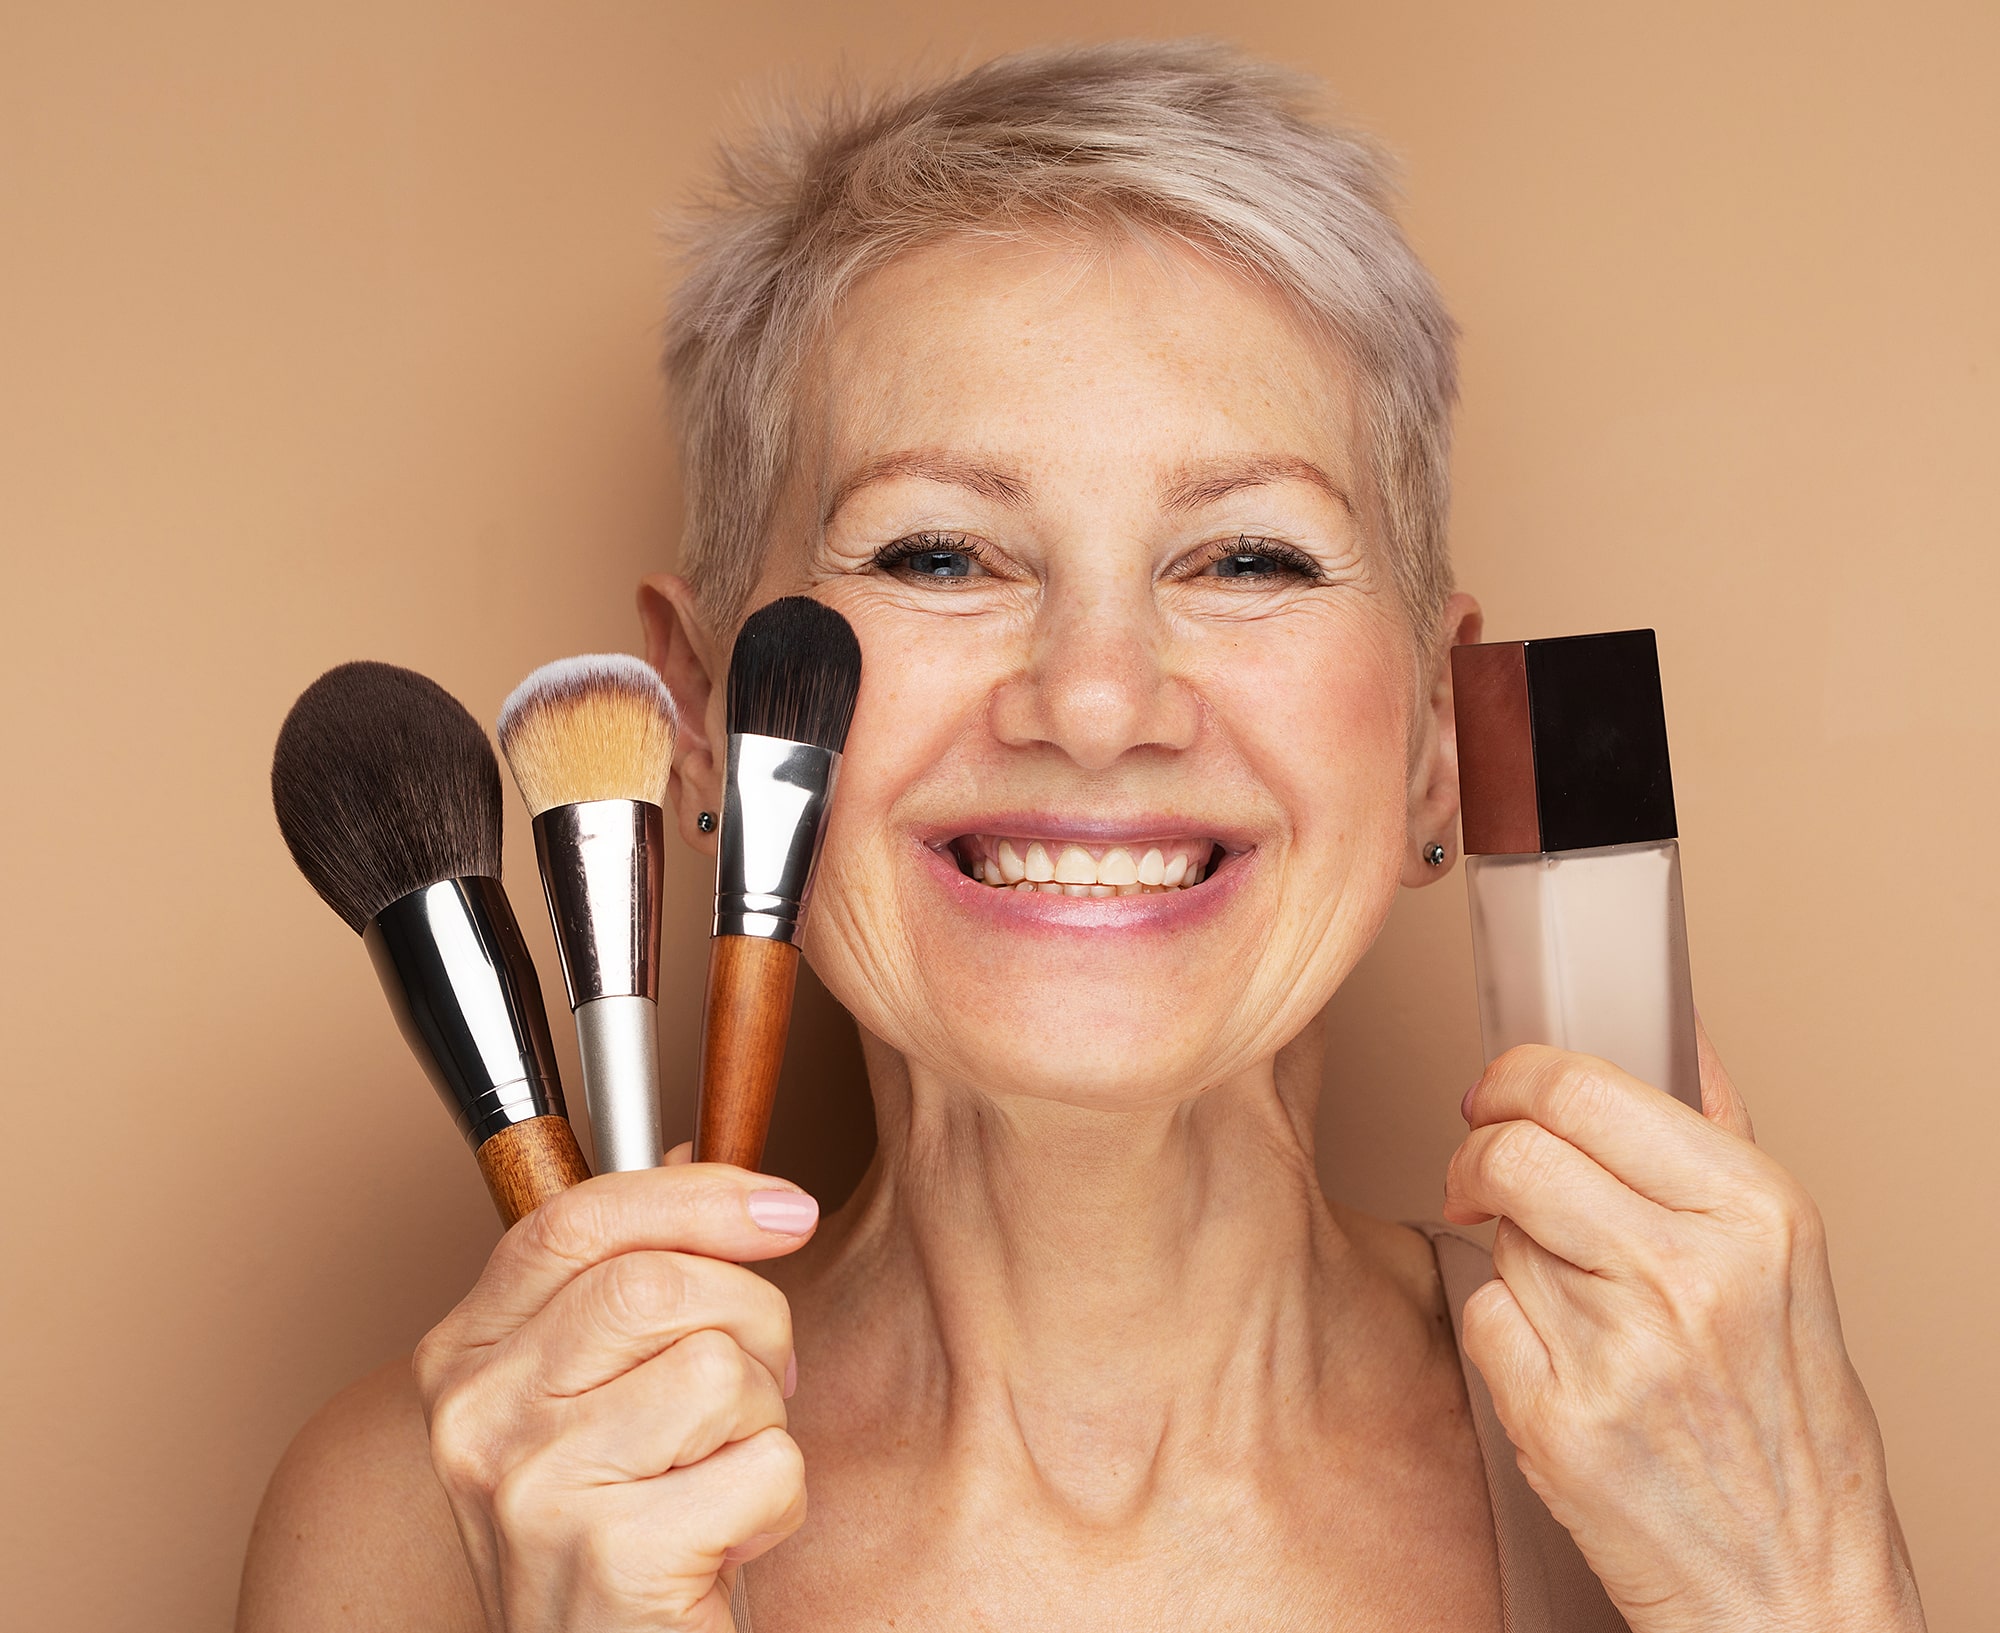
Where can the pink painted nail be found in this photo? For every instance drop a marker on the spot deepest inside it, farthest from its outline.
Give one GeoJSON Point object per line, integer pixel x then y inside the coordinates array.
{"type": "Point", "coordinates": [791, 1375]}
{"type": "Point", "coordinates": [1465, 1101]}
{"type": "Point", "coordinates": [783, 1213]}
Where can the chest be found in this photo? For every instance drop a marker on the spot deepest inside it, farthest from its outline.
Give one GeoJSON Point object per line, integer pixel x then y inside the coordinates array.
{"type": "Point", "coordinates": [1378, 1531]}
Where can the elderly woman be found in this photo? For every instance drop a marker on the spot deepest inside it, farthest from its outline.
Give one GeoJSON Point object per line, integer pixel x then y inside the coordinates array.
{"type": "Point", "coordinates": [1099, 390]}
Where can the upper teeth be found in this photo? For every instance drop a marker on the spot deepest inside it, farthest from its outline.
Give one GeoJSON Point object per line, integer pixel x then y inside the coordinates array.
{"type": "Point", "coordinates": [1076, 870]}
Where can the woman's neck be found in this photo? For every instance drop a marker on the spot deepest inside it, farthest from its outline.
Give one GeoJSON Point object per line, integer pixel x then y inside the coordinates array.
{"type": "Point", "coordinates": [1102, 1296]}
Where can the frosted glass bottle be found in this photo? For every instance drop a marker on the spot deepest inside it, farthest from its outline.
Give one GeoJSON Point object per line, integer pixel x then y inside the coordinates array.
{"type": "Point", "coordinates": [1587, 950]}
{"type": "Point", "coordinates": [1573, 863]}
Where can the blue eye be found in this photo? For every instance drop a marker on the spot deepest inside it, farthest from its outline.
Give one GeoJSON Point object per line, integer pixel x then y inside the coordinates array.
{"type": "Point", "coordinates": [931, 556]}
{"type": "Point", "coordinates": [939, 564]}
{"type": "Point", "coordinates": [1264, 558]}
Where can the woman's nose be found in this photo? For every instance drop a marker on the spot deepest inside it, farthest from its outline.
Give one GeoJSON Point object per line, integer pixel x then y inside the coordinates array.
{"type": "Point", "coordinates": [1097, 682]}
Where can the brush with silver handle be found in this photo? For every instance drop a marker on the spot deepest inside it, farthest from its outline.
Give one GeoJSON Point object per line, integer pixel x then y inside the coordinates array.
{"type": "Point", "coordinates": [590, 741]}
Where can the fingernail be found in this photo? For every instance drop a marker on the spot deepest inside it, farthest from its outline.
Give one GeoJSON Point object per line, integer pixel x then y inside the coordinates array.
{"type": "Point", "coordinates": [749, 1548]}
{"type": "Point", "coordinates": [785, 1213]}
{"type": "Point", "coordinates": [791, 1375]}
{"type": "Point", "coordinates": [1465, 1103]}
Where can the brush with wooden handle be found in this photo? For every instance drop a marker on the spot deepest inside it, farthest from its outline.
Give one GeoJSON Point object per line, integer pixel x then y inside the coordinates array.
{"type": "Point", "coordinates": [590, 741]}
{"type": "Point", "coordinates": [388, 796]}
{"type": "Point", "coordinates": [793, 678]}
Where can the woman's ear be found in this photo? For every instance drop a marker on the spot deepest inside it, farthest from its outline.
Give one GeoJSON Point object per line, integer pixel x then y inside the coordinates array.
{"type": "Point", "coordinates": [682, 648]}
{"type": "Point", "coordinates": [1434, 767]}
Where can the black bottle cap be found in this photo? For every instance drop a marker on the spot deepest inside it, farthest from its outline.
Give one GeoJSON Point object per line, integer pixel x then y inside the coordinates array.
{"type": "Point", "coordinates": [1562, 744]}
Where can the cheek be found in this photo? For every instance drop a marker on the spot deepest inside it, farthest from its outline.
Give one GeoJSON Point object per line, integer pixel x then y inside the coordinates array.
{"type": "Point", "coordinates": [1320, 709]}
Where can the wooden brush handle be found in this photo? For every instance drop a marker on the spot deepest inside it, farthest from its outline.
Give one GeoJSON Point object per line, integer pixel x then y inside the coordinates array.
{"type": "Point", "coordinates": [744, 1021]}
{"type": "Point", "coordinates": [527, 1163]}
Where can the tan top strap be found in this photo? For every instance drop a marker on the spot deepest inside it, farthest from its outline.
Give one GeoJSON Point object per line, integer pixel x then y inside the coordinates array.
{"type": "Point", "coordinates": [1545, 1586]}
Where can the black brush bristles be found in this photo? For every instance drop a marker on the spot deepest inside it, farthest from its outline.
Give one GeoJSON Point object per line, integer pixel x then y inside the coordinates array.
{"type": "Point", "coordinates": [383, 785]}
{"type": "Point", "coordinates": [794, 674]}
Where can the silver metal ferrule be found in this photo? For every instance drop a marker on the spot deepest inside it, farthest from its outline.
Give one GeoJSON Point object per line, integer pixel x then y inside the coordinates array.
{"type": "Point", "coordinates": [464, 991]}
{"type": "Point", "coordinates": [601, 871]}
{"type": "Point", "coordinates": [774, 807]}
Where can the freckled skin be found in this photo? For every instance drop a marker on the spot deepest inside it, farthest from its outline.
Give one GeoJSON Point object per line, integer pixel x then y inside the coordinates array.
{"type": "Point", "coordinates": [1084, 676]}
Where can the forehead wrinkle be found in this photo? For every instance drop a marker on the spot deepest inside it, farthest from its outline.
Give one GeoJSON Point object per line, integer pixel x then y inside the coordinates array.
{"type": "Point", "coordinates": [933, 465]}
{"type": "Point", "coordinates": [1206, 481]}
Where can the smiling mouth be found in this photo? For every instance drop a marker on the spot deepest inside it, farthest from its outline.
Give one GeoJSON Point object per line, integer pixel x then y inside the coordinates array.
{"type": "Point", "coordinates": [1061, 867]}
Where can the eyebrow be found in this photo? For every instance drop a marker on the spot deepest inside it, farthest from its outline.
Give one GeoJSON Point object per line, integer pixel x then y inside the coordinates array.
{"type": "Point", "coordinates": [1206, 481]}
{"type": "Point", "coordinates": [1203, 483]}
{"type": "Point", "coordinates": [933, 465]}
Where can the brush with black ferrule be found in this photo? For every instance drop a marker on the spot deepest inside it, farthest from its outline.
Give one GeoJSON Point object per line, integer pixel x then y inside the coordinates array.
{"type": "Point", "coordinates": [591, 741]}
{"type": "Point", "coordinates": [793, 678]}
{"type": "Point", "coordinates": [389, 799]}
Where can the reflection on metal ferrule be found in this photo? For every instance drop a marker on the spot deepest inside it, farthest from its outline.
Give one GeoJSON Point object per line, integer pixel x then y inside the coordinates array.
{"type": "Point", "coordinates": [464, 991]}
{"type": "Point", "coordinates": [600, 862]}
{"type": "Point", "coordinates": [774, 809]}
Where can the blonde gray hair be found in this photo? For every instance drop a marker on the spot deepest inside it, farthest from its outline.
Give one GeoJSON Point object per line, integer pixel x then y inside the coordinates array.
{"type": "Point", "coordinates": [1187, 140]}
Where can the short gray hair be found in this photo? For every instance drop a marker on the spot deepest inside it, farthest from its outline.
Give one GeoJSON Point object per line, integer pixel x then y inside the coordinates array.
{"type": "Point", "coordinates": [1185, 139]}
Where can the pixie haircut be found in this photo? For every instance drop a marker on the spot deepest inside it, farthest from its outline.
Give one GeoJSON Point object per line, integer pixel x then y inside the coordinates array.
{"type": "Point", "coordinates": [1188, 141]}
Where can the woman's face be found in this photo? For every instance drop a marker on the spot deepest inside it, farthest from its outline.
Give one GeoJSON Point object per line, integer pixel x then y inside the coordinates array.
{"type": "Point", "coordinates": [1128, 787]}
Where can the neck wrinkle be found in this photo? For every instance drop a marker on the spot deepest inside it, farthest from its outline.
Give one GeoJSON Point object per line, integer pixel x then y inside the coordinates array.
{"type": "Point", "coordinates": [1102, 1298]}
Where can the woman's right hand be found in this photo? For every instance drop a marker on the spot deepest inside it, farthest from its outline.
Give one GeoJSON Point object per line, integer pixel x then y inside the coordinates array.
{"type": "Point", "coordinates": [606, 1406]}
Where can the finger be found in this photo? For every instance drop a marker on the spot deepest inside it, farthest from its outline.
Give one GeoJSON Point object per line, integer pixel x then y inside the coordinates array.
{"type": "Point", "coordinates": [1561, 1301]}
{"type": "Point", "coordinates": [1553, 1191]}
{"type": "Point", "coordinates": [621, 1313]}
{"type": "Point", "coordinates": [704, 1393]}
{"type": "Point", "coordinates": [1720, 1103]}
{"type": "Point", "coordinates": [680, 1155]}
{"type": "Point", "coordinates": [1660, 1148]}
{"type": "Point", "coordinates": [661, 1550]}
{"type": "Point", "coordinates": [1500, 1340]}
{"type": "Point", "coordinates": [704, 1208]}
{"type": "Point", "coordinates": [732, 1506]}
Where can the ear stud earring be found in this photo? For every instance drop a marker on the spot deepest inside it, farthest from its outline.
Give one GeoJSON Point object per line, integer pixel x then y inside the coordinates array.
{"type": "Point", "coordinates": [1434, 854]}
{"type": "Point", "coordinates": [706, 822]}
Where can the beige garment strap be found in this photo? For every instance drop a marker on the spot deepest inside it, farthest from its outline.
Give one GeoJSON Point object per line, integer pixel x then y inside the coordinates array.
{"type": "Point", "coordinates": [739, 1601]}
{"type": "Point", "coordinates": [1545, 1586]}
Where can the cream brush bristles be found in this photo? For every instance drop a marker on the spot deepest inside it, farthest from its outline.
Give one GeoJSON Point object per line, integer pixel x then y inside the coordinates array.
{"type": "Point", "coordinates": [590, 741]}
{"type": "Point", "coordinates": [589, 728]}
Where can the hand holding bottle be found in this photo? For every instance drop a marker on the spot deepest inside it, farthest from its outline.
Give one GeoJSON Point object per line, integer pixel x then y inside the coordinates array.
{"type": "Point", "coordinates": [1663, 1349]}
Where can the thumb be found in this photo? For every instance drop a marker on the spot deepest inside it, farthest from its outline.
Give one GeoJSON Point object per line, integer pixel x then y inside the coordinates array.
{"type": "Point", "coordinates": [1720, 1103]}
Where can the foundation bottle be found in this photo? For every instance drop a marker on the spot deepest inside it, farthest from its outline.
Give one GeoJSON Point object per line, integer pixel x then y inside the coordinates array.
{"type": "Point", "coordinates": [1572, 853]}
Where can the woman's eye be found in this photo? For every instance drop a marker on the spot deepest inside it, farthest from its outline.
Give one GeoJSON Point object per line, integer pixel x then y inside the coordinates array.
{"type": "Point", "coordinates": [1261, 558]}
{"type": "Point", "coordinates": [931, 557]}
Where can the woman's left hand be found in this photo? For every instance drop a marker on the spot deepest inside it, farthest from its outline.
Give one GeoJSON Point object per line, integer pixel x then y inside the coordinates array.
{"type": "Point", "coordinates": [1663, 1349]}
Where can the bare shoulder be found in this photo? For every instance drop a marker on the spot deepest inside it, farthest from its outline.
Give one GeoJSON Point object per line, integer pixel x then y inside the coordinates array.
{"type": "Point", "coordinates": [354, 1530]}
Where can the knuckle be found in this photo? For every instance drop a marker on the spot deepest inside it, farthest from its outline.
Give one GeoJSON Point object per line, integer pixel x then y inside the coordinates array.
{"type": "Point", "coordinates": [570, 1226]}
{"type": "Point", "coordinates": [522, 1506]}
{"type": "Point", "coordinates": [640, 1292]}
{"type": "Point", "coordinates": [1519, 1157]}
{"type": "Point", "coordinates": [711, 1364]}
{"type": "Point", "coordinates": [461, 1451]}
{"type": "Point", "coordinates": [1574, 1092]}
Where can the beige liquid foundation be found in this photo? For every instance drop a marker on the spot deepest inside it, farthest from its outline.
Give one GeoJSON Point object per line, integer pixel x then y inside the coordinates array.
{"type": "Point", "coordinates": [1572, 853]}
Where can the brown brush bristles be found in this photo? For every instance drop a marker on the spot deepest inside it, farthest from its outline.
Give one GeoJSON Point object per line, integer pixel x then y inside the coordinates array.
{"type": "Point", "coordinates": [383, 784]}
{"type": "Point", "coordinates": [595, 727]}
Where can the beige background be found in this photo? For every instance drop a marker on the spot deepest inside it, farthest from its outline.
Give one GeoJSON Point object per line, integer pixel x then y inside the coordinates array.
{"type": "Point", "coordinates": [327, 331]}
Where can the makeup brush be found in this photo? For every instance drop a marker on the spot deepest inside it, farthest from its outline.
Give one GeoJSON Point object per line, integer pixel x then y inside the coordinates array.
{"type": "Point", "coordinates": [793, 676]}
{"type": "Point", "coordinates": [389, 799]}
{"type": "Point", "coordinates": [590, 741]}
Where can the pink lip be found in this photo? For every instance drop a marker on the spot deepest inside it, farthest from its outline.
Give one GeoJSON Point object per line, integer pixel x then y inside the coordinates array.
{"type": "Point", "coordinates": [1161, 913]}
